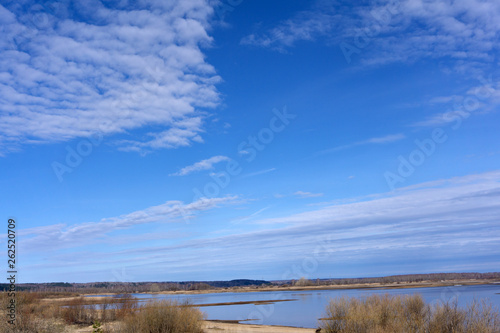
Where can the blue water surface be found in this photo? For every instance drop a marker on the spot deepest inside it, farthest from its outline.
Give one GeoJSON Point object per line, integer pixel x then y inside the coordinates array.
{"type": "Point", "coordinates": [308, 306]}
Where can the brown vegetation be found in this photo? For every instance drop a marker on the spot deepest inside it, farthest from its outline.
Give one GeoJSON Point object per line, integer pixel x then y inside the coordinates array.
{"type": "Point", "coordinates": [31, 314]}
{"type": "Point", "coordinates": [36, 316]}
{"type": "Point", "coordinates": [374, 314]}
{"type": "Point", "coordinates": [303, 282]}
{"type": "Point", "coordinates": [164, 317]}
{"type": "Point", "coordinates": [391, 314]}
{"type": "Point", "coordinates": [86, 311]}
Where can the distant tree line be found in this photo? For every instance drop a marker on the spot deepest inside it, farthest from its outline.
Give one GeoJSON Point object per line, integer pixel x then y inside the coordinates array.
{"type": "Point", "coordinates": [135, 287]}
{"type": "Point", "coordinates": [408, 278]}
{"type": "Point", "coordinates": [147, 287]}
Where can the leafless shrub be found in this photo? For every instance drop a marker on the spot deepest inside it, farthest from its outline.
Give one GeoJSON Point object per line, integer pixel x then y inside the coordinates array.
{"type": "Point", "coordinates": [164, 317]}
{"type": "Point", "coordinates": [31, 315]}
{"type": "Point", "coordinates": [79, 312]}
{"type": "Point", "coordinates": [302, 282]}
{"type": "Point", "coordinates": [388, 313]}
{"type": "Point", "coordinates": [125, 305]}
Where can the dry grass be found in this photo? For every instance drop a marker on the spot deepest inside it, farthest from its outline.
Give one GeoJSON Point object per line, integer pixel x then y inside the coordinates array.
{"type": "Point", "coordinates": [374, 314]}
{"type": "Point", "coordinates": [31, 315]}
{"type": "Point", "coordinates": [35, 316]}
{"type": "Point", "coordinates": [125, 306]}
{"type": "Point", "coordinates": [84, 311]}
{"type": "Point", "coordinates": [164, 317]}
{"type": "Point", "coordinates": [58, 294]}
{"type": "Point", "coordinates": [391, 314]}
{"type": "Point", "coordinates": [80, 313]}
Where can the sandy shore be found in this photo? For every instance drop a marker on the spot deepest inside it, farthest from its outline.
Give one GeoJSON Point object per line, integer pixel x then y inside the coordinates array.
{"type": "Point", "coordinates": [213, 327]}
{"type": "Point", "coordinates": [218, 327]}
{"type": "Point", "coordinates": [423, 284]}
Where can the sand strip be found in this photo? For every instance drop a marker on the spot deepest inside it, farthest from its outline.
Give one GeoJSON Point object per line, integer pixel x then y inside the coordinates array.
{"type": "Point", "coordinates": [223, 327]}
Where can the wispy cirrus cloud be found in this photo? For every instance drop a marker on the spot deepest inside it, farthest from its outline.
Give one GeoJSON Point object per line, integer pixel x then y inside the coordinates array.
{"type": "Point", "coordinates": [304, 26]}
{"type": "Point", "coordinates": [303, 194]}
{"type": "Point", "coordinates": [476, 100]}
{"type": "Point", "coordinates": [385, 139]}
{"type": "Point", "coordinates": [251, 216]}
{"type": "Point", "coordinates": [63, 236]}
{"type": "Point", "coordinates": [375, 140]}
{"type": "Point", "coordinates": [184, 133]}
{"type": "Point", "coordinates": [258, 173]}
{"type": "Point", "coordinates": [442, 219]}
{"type": "Point", "coordinates": [207, 164]}
{"type": "Point", "coordinates": [477, 193]}
{"type": "Point", "coordinates": [94, 68]}
{"type": "Point", "coordinates": [400, 31]}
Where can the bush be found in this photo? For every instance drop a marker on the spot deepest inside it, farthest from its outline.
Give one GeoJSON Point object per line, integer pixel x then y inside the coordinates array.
{"type": "Point", "coordinates": [79, 312]}
{"type": "Point", "coordinates": [477, 317]}
{"type": "Point", "coordinates": [388, 313]}
{"type": "Point", "coordinates": [303, 282]}
{"type": "Point", "coordinates": [125, 305]}
{"type": "Point", "coordinates": [164, 317]}
{"type": "Point", "coordinates": [31, 315]}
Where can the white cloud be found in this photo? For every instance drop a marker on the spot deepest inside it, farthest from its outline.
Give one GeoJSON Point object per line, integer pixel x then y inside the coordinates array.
{"type": "Point", "coordinates": [463, 30]}
{"type": "Point", "coordinates": [440, 119]}
{"type": "Point", "coordinates": [304, 26]}
{"type": "Point", "coordinates": [303, 194]}
{"type": "Point", "coordinates": [251, 216]}
{"type": "Point", "coordinates": [201, 165]}
{"type": "Point", "coordinates": [114, 71]}
{"type": "Point", "coordinates": [376, 140]}
{"type": "Point", "coordinates": [480, 99]}
{"type": "Point", "coordinates": [443, 99]}
{"type": "Point", "coordinates": [61, 235]}
{"type": "Point", "coordinates": [440, 221]}
{"type": "Point", "coordinates": [476, 194]}
{"type": "Point", "coordinates": [385, 139]}
{"type": "Point", "coordinates": [406, 30]}
{"type": "Point", "coordinates": [182, 135]}
{"type": "Point", "coordinates": [258, 173]}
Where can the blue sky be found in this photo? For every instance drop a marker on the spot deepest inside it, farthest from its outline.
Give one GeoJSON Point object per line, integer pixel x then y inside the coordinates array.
{"type": "Point", "coordinates": [204, 140]}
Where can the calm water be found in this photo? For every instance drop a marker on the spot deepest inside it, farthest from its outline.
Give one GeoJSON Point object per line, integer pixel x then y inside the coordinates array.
{"type": "Point", "coordinates": [308, 306]}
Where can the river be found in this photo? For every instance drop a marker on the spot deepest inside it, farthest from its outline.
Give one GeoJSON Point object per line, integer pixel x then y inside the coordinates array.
{"type": "Point", "coordinates": [307, 307]}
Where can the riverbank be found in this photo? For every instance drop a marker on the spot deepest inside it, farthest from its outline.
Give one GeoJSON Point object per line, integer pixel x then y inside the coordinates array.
{"type": "Point", "coordinates": [222, 327]}
{"type": "Point", "coordinates": [306, 311]}
{"type": "Point", "coordinates": [212, 327]}
{"type": "Point", "coordinates": [423, 284]}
